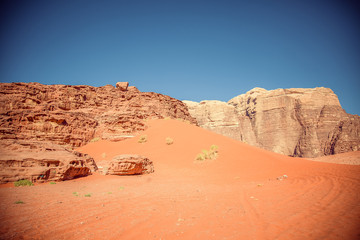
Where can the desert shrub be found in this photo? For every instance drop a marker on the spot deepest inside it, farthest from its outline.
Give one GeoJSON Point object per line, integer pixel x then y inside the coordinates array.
{"type": "Point", "coordinates": [52, 183]}
{"type": "Point", "coordinates": [103, 155]}
{"type": "Point", "coordinates": [208, 154]}
{"type": "Point", "coordinates": [169, 141]}
{"type": "Point", "coordinates": [87, 195]}
{"type": "Point", "coordinates": [19, 202]}
{"type": "Point", "coordinates": [214, 147]}
{"type": "Point", "coordinates": [95, 139]}
{"type": "Point", "coordinates": [23, 182]}
{"type": "Point", "coordinates": [142, 139]}
{"type": "Point", "coordinates": [200, 157]}
{"type": "Point", "coordinates": [213, 152]}
{"type": "Point", "coordinates": [205, 153]}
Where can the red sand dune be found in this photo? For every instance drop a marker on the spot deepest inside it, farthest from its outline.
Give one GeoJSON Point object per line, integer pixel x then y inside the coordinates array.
{"type": "Point", "coordinates": [236, 196]}
{"type": "Point", "coordinates": [352, 158]}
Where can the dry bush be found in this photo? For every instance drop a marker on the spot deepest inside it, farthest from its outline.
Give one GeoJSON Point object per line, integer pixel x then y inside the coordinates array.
{"type": "Point", "coordinates": [142, 139]}
{"type": "Point", "coordinates": [211, 154]}
{"type": "Point", "coordinates": [169, 141]}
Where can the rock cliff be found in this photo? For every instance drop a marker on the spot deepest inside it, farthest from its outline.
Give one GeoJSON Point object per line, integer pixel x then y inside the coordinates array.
{"type": "Point", "coordinates": [74, 115]}
{"type": "Point", "coordinates": [295, 122]}
{"type": "Point", "coordinates": [40, 124]}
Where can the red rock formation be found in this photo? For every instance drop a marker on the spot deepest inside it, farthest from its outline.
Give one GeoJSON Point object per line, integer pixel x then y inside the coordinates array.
{"type": "Point", "coordinates": [33, 114]}
{"type": "Point", "coordinates": [295, 122]}
{"type": "Point", "coordinates": [40, 161]}
{"type": "Point", "coordinates": [123, 86]}
{"type": "Point", "coordinates": [74, 115]}
{"type": "Point", "coordinates": [127, 165]}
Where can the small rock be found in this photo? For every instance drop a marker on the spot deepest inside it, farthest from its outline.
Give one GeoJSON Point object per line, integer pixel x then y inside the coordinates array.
{"type": "Point", "coordinates": [123, 86]}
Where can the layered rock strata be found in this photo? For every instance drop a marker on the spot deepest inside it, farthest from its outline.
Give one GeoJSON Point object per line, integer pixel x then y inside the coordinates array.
{"type": "Point", "coordinates": [40, 124]}
{"type": "Point", "coordinates": [295, 122]}
{"type": "Point", "coordinates": [41, 162]}
{"type": "Point", "coordinates": [73, 115]}
{"type": "Point", "coordinates": [127, 165]}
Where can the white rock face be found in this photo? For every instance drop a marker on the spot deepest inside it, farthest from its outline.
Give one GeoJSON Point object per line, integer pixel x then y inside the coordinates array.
{"type": "Point", "coordinates": [216, 116]}
{"type": "Point", "coordinates": [296, 122]}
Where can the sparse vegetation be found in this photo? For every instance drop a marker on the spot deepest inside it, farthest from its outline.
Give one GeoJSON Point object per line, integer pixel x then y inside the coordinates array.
{"type": "Point", "coordinates": [95, 139]}
{"type": "Point", "coordinates": [52, 182]}
{"type": "Point", "coordinates": [87, 195]}
{"type": "Point", "coordinates": [19, 202]}
{"type": "Point", "coordinates": [169, 141]}
{"type": "Point", "coordinates": [208, 154]}
{"type": "Point", "coordinates": [205, 154]}
{"type": "Point", "coordinates": [23, 182]}
{"type": "Point", "coordinates": [76, 194]}
{"type": "Point", "coordinates": [213, 153]}
{"type": "Point", "coordinates": [142, 139]}
{"type": "Point", "coordinates": [200, 157]}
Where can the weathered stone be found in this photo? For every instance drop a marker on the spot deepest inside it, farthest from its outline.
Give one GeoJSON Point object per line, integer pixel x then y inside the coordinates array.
{"type": "Point", "coordinates": [216, 116]}
{"type": "Point", "coordinates": [41, 162]}
{"type": "Point", "coordinates": [123, 86]}
{"type": "Point", "coordinates": [74, 115]}
{"type": "Point", "coordinates": [133, 88]}
{"type": "Point", "coordinates": [70, 116]}
{"type": "Point", "coordinates": [126, 165]}
{"type": "Point", "coordinates": [296, 122]}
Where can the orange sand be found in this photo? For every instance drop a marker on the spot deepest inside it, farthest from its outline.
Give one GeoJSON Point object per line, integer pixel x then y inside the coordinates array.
{"type": "Point", "coordinates": [236, 196]}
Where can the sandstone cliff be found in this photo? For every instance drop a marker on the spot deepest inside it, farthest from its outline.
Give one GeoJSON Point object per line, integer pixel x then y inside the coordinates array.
{"type": "Point", "coordinates": [40, 124]}
{"type": "Point", "coordinates": [295, 122]}
{"type": "Point", "coordinates": [73, 115]}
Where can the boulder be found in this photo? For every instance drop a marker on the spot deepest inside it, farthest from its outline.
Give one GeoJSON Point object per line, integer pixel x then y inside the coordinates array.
{"type": "Point", "coordinates": [123, 86]}
{"type": "Point", "coordinates": [296, 122]}
{"type": "Point", "coordinates": [126, 165]}
{"type": "Point", "coordinates": [41, 162]}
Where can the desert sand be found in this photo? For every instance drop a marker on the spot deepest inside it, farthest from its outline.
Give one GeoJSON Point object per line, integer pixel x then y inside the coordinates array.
{"type": "Point", "coordinates": [239, 195]}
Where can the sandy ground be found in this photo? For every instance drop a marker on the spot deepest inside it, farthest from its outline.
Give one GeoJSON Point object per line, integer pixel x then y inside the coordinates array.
{"type": "Point", "coordinates": [236, 196]}
{"type": "Point", "coordinates": [352, 158]}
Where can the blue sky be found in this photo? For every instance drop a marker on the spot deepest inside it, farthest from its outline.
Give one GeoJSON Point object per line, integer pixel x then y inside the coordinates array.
{"type": "Point", "coordinates": [193, 50]}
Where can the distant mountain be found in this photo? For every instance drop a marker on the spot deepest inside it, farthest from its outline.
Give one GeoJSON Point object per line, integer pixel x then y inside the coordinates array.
{"type": "Point", "coordinates": [296, 122]}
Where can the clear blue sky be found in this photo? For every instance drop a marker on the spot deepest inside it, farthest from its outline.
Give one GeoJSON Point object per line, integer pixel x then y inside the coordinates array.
{"type": "Point", "coordinates": [191, 50]}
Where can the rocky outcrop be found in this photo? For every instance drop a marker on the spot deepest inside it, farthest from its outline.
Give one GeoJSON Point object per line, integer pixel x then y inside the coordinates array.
{"type": "Point", "coordinates": [40, 124]}
{"type": "Point", "coordinates": [295, 122]}
{"type": "Point", "coordinates": [41, 162]}
{"type": "Point", "coordinates": [123, 86]}
{"type": "Point", "coordinates": [127, 165]}
{"type": "Point", "coordinates": [216, 116]}
{"type": "Point", "coordinates": [73, 115]}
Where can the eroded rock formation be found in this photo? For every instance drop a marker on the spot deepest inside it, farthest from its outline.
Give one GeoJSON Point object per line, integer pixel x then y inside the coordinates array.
{"type": "Point", "coordinates": [40, 161]}
{"type": "Point", "coordinates": [40, 124]}
{"type": "Point", "coordinates": [74, 115]}
{"type": "Point", "coordinates": [127, 165]}
{"type": "Point", "coordinates": [295, 122]}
